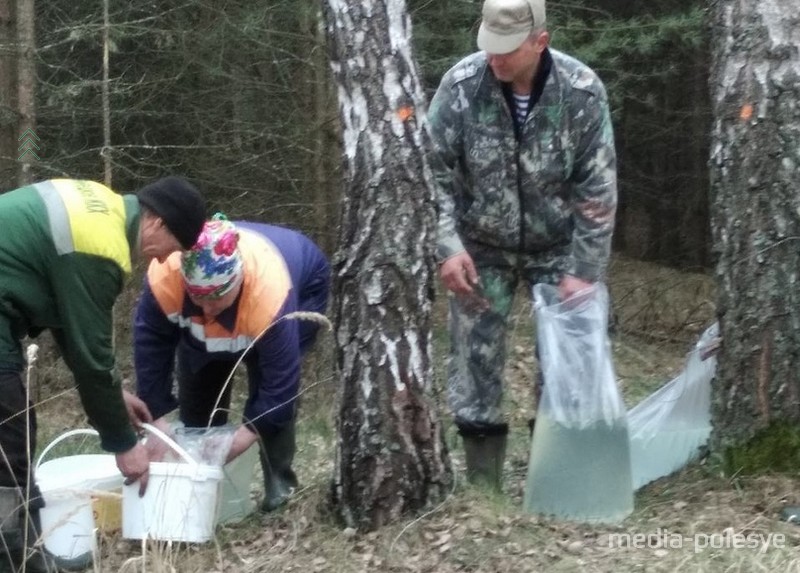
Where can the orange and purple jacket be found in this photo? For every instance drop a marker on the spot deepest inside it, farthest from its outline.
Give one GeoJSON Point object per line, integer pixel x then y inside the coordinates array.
{"type": "Point", "coordinates": [280, 267]}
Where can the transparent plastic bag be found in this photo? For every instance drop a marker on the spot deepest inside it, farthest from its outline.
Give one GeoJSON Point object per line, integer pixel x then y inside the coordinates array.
{"type": "Point", "coordinates": [580, 387]}
{"type": "Point", "coordinates": [208, 446]}
{"type": "Point", "coordinates": [669, 427]}
{"type": "Point", "coordinates": [579, 467]}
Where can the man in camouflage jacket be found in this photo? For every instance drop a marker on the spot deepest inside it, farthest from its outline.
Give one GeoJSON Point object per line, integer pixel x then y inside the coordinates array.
{"type": "Point", "coordinates": [526, 187]}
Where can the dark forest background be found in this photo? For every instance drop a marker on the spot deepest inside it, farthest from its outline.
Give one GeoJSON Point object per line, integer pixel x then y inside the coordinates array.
{"type": "Point", "coordinates": [238, 97]}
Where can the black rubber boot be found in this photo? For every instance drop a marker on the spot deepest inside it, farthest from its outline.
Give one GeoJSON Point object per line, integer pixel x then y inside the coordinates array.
{"type": "Point", "coordinates": [10, 542]}
{"type": "Point", "coordinates": [277, 455]}
{"type": "Point", "coordinates": [485, 453]}
{"type": "Point", "coordinates": [21, 530]}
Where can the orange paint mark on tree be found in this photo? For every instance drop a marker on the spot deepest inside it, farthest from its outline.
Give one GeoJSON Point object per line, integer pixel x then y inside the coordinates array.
{"type": "Point", "coordinates": [746, 112]}
{"type": "Point", "coordinates": [405, 112]}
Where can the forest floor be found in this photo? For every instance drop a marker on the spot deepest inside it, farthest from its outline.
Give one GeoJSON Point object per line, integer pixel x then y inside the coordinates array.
{"type": "Point", "coordinates": [690, 521]}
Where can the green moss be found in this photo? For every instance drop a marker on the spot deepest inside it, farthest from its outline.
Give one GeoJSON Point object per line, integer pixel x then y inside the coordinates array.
{"type": "Point", "coordinates": [775, 448]}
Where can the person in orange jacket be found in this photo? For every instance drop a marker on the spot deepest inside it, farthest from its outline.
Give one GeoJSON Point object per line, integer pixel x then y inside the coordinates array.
{"type": "Point", "coordinates": [233, 294]}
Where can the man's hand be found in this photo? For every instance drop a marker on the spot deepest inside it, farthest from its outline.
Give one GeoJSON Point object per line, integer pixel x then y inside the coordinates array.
{"type": "Point", "coordinates": [460, 276]}
{"type": "Point", "coordinates": [570, 285]}
{"type": "Point", "coordinates": [135, 466]}
{"type": "Point", "coordinates": [138, 412]}
{"type": "Point", "coordinates": [242, 439]}
{"type": "Point", "coordinates": [458, 273]}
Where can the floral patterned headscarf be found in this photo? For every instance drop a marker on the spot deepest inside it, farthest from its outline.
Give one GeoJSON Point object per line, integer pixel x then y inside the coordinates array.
{"type": "Point", "coordinates": [213, 266]}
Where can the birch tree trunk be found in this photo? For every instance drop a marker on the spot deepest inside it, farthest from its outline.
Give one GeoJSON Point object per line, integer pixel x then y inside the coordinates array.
{"type": "Point", "coordinates": [756, 214]}
{"type": "Point", "coordinates": [391, 456]}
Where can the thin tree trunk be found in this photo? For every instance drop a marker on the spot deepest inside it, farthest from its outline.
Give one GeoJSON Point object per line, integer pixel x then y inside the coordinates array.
{"type": "Point", "coordinates": [391, 456]}
{"type": "Point", "coordinates": [324, 172]}
{"type": "Point", "coordinates": [106, 99]}
{"type": "Point", "coordinates": [8, 93]}
{"type": "Point", "coordinates": [755, 215]}
{"type": "Point", "coordinates": [697, 209]}
{"type": "Point", "coordinates": [26, 87]}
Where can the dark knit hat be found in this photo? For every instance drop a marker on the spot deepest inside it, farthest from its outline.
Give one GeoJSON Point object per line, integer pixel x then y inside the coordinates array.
{"type": "Point", "coordinates": [180, 206]}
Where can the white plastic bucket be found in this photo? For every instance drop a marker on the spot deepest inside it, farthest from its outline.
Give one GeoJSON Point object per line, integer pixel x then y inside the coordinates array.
{"type": "Point", "coordinates": [68, 485]}
{"type": "Point", "coordinates": [180, 503]}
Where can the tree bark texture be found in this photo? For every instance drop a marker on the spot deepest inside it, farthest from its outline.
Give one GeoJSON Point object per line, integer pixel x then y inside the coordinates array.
{"type": "Point", "coordinates": [26, 82]}
{"type": "Point", "coordinates": [8, 93]}
{"type": "Point", "coordinates": [324, 157]}
{"type": "Point", "coordinates": [391, 456]}
{"type": "Point", "coordinates": [755, 85]}
{"type": "Point", "coordinates": [106, 152]}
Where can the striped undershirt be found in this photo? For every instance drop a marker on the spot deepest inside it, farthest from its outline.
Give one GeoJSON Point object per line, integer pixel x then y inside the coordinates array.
{"type": "Point", "coordinates": [521, 107]}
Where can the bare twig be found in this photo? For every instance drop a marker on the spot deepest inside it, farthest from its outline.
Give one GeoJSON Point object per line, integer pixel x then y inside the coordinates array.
{"type": "Point", "coordinates": [299, 315]}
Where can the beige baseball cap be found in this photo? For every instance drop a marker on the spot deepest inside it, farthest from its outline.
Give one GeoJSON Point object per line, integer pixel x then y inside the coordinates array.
{"type": "Point", "coordinates": [506, 24]}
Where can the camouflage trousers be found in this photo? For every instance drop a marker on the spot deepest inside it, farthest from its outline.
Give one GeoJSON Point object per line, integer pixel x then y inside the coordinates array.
{"type": "Point", "coordinates": [478, 335]}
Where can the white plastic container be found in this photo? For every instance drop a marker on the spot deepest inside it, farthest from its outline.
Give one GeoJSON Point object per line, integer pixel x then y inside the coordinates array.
{"type": "Point", "coordinates": [180, 503]}
{"type": "Point", "coordinates": [68, 485]}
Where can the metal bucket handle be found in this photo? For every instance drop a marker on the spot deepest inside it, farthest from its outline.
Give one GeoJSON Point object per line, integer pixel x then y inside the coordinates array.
{"type": "Point", "coordinates": [62, 437]}
{"type": "Point", "coordinates": [171, 443]}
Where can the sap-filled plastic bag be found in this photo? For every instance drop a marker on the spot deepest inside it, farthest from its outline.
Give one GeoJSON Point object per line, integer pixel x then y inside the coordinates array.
{"type": "Point", "coordinates": [669, 427]}
{"type": "Point", "coordinates": [208, 446]}
{"type": "Point", "coordinates": [579, 466]}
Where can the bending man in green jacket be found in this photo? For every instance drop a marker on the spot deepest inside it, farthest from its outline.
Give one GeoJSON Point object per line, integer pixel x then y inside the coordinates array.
{"type": "Point", "coordinates": [65, 250]}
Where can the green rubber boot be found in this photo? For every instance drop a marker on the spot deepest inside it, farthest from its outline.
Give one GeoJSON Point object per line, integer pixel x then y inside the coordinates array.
{"type": "Point", "coordinates": [277, 455]}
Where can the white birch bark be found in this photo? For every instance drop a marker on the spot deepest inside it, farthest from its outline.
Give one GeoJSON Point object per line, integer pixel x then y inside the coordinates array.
{"type": "Point", "coordinates": [391, 456]}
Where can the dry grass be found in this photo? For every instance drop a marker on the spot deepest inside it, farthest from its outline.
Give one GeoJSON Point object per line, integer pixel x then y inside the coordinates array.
{"type": "Point", "coordinates": [658, 304]}
{"type": "Point", "coordinates": [660, 313]}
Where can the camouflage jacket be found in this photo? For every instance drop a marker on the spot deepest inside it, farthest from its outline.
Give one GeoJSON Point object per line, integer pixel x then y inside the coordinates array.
{"type": "Point", "coordinates": [552, 189]}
